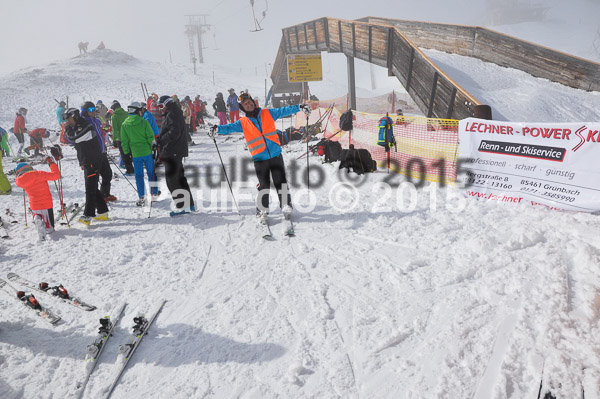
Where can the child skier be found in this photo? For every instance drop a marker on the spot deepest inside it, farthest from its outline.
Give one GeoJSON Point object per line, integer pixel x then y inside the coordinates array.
{"type": "Point", "coordinates": [35, 184]}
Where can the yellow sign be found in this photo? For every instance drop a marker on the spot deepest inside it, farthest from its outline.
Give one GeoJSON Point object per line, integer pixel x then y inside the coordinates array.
{"type": "Point", "coordinates": [304, 68]}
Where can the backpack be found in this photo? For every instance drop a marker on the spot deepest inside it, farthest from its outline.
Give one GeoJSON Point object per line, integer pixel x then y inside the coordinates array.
{"type": "Point", "coordinates": [283, 137]}
{"type": "Point", "coordinates": [360, 161]}
{"type": "Point", "coordinates": [333, 151]}
{"type": "Point", "coordinates": [386, 134]}
{"type": "Point", "coordinates": [346, 121]}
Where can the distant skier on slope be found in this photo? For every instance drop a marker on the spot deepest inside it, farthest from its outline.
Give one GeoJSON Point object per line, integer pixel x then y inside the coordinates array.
{"type": "Point", "coordinates": [173, 147]}
{"type": "Point", "coordinates": [19, 129]}
{"type": "Point", "coordinates": [220, 109]}
{"type": "Point", "coordinates": [83, 135]}
{"type": "Point", "coordinates": [263, 143]}
{"type": "Point", "coordinates": [60, 110]}
{"type": "Point", "coordinates": [35, 184]}
{"type": "Point", "coordinates": [232, 104]}
{"type": "Point", "coordinates": [5, 188]}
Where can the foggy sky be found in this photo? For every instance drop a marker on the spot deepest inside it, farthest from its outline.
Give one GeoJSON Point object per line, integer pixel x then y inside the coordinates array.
{"type": "Point", "coordinates": [36, 32]}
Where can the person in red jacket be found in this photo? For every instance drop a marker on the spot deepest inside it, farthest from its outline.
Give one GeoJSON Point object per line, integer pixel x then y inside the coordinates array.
{"type": "Point", "coordinates": [35, 184]}
{"type": "Point", "coordinates": [20, 129]}
{"type": "Point", "coordinates": [36, 140]}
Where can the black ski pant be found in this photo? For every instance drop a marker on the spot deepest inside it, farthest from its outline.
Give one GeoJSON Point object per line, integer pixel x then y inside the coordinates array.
{"type": "Point", "coordinates": [265, 170]}
{"type": "Point", "coordinates": [175, 178]}
{"type": "Point", "coordinates": [94, 200]}
{"type": "Point", "coordinates": [107, 174]}
{"type": "Point", "coordinates": [127, 159]}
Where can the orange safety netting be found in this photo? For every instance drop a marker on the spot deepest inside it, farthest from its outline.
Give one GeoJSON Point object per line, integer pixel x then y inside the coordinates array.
{"type": "Point", "coordinates": [426, 147]}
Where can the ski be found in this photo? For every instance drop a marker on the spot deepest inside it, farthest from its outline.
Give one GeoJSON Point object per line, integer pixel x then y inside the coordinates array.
{"type": "Point", "coordinates": [58, 291]}
{"type": "Point", "coordinates": [76, 212]}
{"type": "Point", "coordinates": [289, 227]}
{"type": "Point", "coordinates": [140, 328]}
{"type": "Point", "coordinates": [265, 229]}
{"type": "Point", "coordinates": [10, 216]}
{"type": "Point", "coordinates": [31, 302]}
{"type": "Point", "coordinates": [94, 350]}
{"type": "Point", "coordinates": [3, 231]}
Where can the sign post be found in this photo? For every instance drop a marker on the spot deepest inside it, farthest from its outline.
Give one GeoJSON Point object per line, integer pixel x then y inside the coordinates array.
{"type": "Point", "coordinates": [304, 68]}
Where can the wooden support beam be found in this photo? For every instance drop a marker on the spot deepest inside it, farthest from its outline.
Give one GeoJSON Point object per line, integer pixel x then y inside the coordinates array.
{"type": "Point", "coordinates": [354, 40]}
{"type": "Point", "coordinates": [390, 60]}
{"type": "Point", "coordinates": [315, 32]}
{"type": "Point", "coordinates": [297, 40]}
{"type": "Point", "coordinates": [340, 36]}
{"type": "Point", "coordinates": [370, 43]}
{"type": "Point", "coordinates": [305, 37]}
{"type": "Point", "coordinates": [432, 98]}
{"type": "Point", "coordinates": [351, 83]}
{"type": "Point", "coordinates": [326, 27]}
{"type": "Point", "coordinates": [410, 68]}
{"type": "Point", "coordinates": [289, 37]}
{"type": "Point", "coordinates": [451, 104]}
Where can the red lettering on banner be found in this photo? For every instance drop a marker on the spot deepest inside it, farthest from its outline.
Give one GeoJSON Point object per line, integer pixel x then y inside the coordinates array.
{"type": "Point", "coordinates": [566, 133]}
{"type": "Point", "coordinates": [509, 130]}
{"type": "Point", "coordinates": [591, 135]}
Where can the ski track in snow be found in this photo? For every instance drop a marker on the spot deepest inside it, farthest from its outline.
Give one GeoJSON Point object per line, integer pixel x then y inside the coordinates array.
{"type": "Point", "coordinates": [360, 304]}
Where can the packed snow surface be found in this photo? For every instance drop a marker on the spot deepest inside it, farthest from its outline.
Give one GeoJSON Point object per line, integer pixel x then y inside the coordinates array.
{"type": "Point", "coordinates": [385, 292]}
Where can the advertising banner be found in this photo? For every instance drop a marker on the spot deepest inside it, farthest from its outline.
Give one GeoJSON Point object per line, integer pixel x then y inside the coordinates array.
{"type": "Point", "coordinates": [551, 164]}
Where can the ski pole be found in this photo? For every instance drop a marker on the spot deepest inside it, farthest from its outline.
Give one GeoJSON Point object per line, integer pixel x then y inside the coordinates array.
{"type": "Point", "coordinates": [307, 157]}
{"type": "Point", "coordinates": [541, 380]}
{"type": "Point", "coordinates": [119, 169]}
{"type": "Point", "coordinates": [153, 180]}
{"type": "Point", "coordinates": [25, 206]}
{"type": "Point", "coordinates": [227, 177]}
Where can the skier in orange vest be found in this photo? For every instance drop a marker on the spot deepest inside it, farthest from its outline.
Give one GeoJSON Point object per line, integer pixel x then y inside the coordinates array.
{"type": "Point", "coordinates": [263, 143]}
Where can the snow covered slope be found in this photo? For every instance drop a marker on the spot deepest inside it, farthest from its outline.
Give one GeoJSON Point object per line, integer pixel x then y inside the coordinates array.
{"type": "Point", "coordinates": [439, 297]}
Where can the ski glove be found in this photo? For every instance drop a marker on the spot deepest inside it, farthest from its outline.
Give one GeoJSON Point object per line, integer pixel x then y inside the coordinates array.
{"type": "Point", "coordinates": [49, 160]}
{"type": "Point", "coordinates": [306, 109]}
{"type": "Point", "coordinates": [212, 131]}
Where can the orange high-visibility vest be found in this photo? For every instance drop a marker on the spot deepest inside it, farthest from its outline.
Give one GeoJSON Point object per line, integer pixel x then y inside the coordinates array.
{"type": "Point", "coordinates": [254, 138]}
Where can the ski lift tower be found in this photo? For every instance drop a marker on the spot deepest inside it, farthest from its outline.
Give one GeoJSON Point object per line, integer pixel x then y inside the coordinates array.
{"type": "Point", "coordinates": [194, 29]}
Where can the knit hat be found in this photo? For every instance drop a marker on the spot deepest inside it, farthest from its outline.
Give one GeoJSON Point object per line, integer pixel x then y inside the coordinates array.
{"type": "Point", "coordinates": [22, 168]}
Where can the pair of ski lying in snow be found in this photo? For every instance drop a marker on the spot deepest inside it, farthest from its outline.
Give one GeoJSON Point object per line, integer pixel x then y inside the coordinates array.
{"type": "Point", "coordinates": [107, 325]}
{"type": "Point", "coordinates": [30, 301]}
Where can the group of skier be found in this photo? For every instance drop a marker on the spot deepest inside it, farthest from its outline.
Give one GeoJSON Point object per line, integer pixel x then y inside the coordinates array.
{"type": "Point", "coordinates": [155, 131]}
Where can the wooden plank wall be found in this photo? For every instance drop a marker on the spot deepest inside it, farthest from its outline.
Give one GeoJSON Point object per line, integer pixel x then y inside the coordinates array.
{"type": "Point", "coordinates": [436, 94]}
{"type": "Point", "coordinates": [501, 49]}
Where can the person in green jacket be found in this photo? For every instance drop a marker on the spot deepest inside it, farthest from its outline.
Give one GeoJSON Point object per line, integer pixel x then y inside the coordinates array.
{"type": "Point", "coordinates": [119, 116]}
{"type": "Point", "coordinates": [5, 187]}
{"type": "Point", "coordinates": [137, 139]}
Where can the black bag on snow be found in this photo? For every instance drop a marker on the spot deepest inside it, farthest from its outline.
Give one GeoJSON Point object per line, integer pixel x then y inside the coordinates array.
{"type": "Point", "coordinates": [360, 161]}
{"type": "Point", "coordinates": [346, 121]}
{"type": "Point", "coordinates": [333, 151]}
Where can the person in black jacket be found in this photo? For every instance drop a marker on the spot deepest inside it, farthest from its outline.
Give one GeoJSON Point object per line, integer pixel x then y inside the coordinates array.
{"type": "Point", "coordinates": [173, 146]}
{"type": "Point", "coordinates": [220, 109]}
{"type": "Point", "coordinates": [83, 135]}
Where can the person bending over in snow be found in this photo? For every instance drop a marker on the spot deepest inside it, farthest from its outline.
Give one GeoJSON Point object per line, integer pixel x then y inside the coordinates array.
{"type": "Point", "coordinates": [36, 140]}
{"type": "Point", "coordinates": [82, 134]}
{"type": "Point", "coordinates": [137, 138]}
{"type": "Point", "coordinates": [263, 143]}
{"type": "Point", "coordinates": [35, 184]}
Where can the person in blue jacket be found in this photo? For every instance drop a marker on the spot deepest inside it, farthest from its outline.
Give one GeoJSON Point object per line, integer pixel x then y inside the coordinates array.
{"type": "Point", "coordinates": [264, 146]}
{"type": "Point", "coordinates": [147, 115]}
{"type": "Point", "coordinates": [60, 110]}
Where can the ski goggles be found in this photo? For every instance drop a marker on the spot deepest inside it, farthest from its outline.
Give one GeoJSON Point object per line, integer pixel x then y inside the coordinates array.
{"type": "Point", "coordinates": [164, 104]}
{"type": "Point", "coordinates": [90, 109]}
{"type": "Point", "coordinates": [244, 96]}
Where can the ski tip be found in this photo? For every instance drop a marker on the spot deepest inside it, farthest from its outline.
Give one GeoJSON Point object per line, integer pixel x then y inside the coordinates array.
{"type": "Point", "coordinates": [269, 237]}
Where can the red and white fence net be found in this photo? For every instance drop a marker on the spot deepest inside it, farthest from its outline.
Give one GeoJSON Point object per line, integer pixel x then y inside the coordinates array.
{"type": "Point", "coordinates": [426, 147]}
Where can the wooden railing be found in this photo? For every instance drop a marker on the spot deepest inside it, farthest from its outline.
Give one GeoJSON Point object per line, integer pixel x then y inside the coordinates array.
{"type": "Point", "coordinates": [434, 92]}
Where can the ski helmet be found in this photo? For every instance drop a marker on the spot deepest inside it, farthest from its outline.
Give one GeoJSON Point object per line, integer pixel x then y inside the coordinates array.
{"type": "Point", "coordinates": [22, 111]}
{"type": "Point", "coordinates": [62, 104]}
{"type": "Point", "coordinates": [22, 168]}
{"type": "Point", "coordinates": [219, 95]}
{"type": "Point", "coordinates": [164, 100]}
{"type": "Point", "coordinates": [115, 104]}
{"type": "Point", "coordinates": [244, 96]}
{"type": "Point", "coordinates": [71, 113]}
{"type": "Point", "coordinates": [134, 107]}
{"type": "Point", "coordinates": [98, 102]}
{"type": "Point", "coordinates": [87, 107]}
